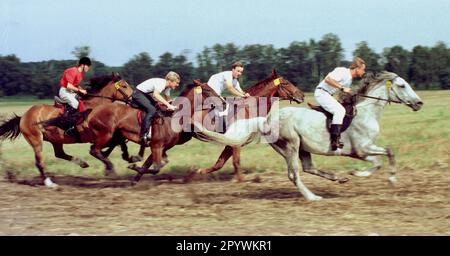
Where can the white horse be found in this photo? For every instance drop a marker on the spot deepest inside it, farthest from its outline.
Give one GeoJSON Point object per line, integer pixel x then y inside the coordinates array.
{"type": "Point", "coordinates": [303, 131]}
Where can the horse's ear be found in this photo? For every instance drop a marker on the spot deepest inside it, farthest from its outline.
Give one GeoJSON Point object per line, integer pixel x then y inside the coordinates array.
{"type": "Point", "coordinates": [274, 73]}
{"type": "Point", "coordinates": [197, 82]}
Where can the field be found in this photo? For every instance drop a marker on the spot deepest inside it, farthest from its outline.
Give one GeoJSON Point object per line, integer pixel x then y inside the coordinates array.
{"type": "Point", "coordinates": [267, 203]}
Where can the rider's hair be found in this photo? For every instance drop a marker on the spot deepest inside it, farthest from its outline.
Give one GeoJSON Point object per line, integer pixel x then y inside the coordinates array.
{"type": "Point", "coordinates": [84, 61]}
{"type": "Point", "coordinates": [173, 77]}
{"type": "Point", "coordinates": [357, 62]}
{"type": "Point", "coordinates": [237, 64]}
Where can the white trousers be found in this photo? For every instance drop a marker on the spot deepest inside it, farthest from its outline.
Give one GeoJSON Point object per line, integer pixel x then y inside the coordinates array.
{"type": "Point", "coordinates": [331, 105]}
{"type": "Point", "coordinates": [69, 97]}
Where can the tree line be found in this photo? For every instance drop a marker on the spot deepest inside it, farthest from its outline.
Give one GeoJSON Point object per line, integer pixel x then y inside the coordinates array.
{"type": "Point", "coordinates": [303, 63]}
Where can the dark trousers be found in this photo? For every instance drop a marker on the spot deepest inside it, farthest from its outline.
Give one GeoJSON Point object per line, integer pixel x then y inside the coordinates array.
{"type": "Point", "coordinates": [146, 104]}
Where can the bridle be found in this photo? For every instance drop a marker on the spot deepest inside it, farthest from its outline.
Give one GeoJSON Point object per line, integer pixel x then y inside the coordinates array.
{"type": "Point", "coordinates": [389, 88]}
{"type": "Point", "coordinates": [280, 83]}
{"type": "Point", "coordinates": [118, 87]}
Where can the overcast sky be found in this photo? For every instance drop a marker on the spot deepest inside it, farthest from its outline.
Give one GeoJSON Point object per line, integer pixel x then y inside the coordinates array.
{"type": "Point", "coordinates": [36, 30]}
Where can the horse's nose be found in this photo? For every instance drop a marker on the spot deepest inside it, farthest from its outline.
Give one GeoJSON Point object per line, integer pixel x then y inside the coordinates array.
{"type": "Point", "coordinates": [417, 106]}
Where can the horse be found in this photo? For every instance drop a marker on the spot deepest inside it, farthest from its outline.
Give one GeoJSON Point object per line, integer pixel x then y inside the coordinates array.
{"type": "Point", "coordinates": [111, 120]}
{"type": "Point", "coordinates": [302, 131]}
{"type": "Point", "coordinates": [273, 86]}
{"type": "Point", "coordinates": [33, 123]}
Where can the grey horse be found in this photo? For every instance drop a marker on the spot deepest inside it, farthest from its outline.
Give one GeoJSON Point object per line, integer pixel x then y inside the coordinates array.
{"type": "Point", "coordinates": [302, 131]}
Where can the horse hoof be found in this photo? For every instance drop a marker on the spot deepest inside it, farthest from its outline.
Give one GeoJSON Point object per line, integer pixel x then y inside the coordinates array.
{"type": "Point", "coordinates": [343, 180]}
{"type": "Point", "coordinates": [134, 159]}
{"type": "Point", "coordinates": [84, 165]}
{"type": "Point", "coordinates": [361, 173]}
{"type": "Point", "coordinates": [202, 171]}
{"type": "Point", "coordinates": [111, 174]}
{"type": "Point", "coordinates": [49, 183]}
{"type": "Point", "coordinates": [314, 198]}
{"type": "Point", "coordinates": [153, 171]}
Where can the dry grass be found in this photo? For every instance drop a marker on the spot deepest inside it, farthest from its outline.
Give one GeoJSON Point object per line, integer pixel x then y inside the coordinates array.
{"type": "Point", "coordinates": [266, 204]}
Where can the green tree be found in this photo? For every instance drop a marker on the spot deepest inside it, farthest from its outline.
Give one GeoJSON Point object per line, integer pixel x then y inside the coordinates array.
{"type": "Point", "coordinates": [397, 60]}
{"type": "Point", "coordinates": [368, 55]}
{"type": "Point", "coordinates": [81, 51]}
{"type": "Point", "coordinates": [328, 54]}
{"type": "Point", "coordinates": [440, 64]}
{"type": "Point", "coordinates": [138, 69]}
{"type": "Point", "coordinates": [420, 72]}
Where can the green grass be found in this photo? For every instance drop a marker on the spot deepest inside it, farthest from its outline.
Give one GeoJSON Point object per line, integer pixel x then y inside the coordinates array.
{"type": "Point", "coordinates": [420, 140]}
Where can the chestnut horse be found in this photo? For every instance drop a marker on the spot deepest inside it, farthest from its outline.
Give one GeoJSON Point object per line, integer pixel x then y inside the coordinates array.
{"type": "Point", "coordinates": [272, 86]}
{"type": "Point", "coordinates": [103, 90]}
{"type": "Point", "coordinates": [118, 120]}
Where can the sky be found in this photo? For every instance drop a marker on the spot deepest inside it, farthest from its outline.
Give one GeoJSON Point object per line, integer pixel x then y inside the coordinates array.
{"type": "Point", "coordinates": [37, 30]}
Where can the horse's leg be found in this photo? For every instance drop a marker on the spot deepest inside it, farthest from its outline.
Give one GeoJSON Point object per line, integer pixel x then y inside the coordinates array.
{"type": "Point", "coordinates": [152, 165]}
{"type": "Point", "coordinates": [371, 154]}
{"type": "Point", "coordinates": [126, 156]}
{"type": "Point", "coordinates": [308, 166]}
{"type": "Point", "coordinates": [141, 152]}
{"type": "Point", "coordinates": [291, 156]}
{"type": "Point", "coordinates": [237, 163]}
{"type": "Point", "coordinates": [59, 153]}
{"type": "Point", "coordinates": [96, 152]}
{"type": "Point", "coordinates": [36, 143]}
{"type": "Point", "coordinates": [280, 150]}
{"type": "Point", "coordinates": [226, 154]}
{"type": "Point", "coordinates": [366, 173]}
{"type": "Point", "coordinates": [119, 139]}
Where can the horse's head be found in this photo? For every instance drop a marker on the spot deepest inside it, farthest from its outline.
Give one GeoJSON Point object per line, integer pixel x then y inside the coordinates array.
{"type": "Point", "coordinates": [196, 94]}
{"type": "Point", "coordinates": [402, 91]}
{"type": "Point", "coordinates": [276, 86]}
{"type": "Point", "coordinates": [393, 87]}
{"type": "Point", "coordinates": [122, 90]}
{"type": "Point", "coordinates": [110, 86]}
{"type": "Point", "coordinates": [287, 90]}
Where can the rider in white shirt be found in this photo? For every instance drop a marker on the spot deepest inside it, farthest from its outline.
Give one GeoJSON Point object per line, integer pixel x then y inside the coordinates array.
{"type": "Point", "coordinates": [228, 80]}
{"type": "Point", "coordinates": [339, 79]}
{"type": "Point", "coordinates": [154, 87]}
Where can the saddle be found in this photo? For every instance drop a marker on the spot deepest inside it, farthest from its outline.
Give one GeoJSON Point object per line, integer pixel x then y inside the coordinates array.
{"type": "Point", "coordinates": [61, 104]}
{"type": "Point", "coordinates": [161, 111]}
{"type": "Point", "coordinates": [350, 113]}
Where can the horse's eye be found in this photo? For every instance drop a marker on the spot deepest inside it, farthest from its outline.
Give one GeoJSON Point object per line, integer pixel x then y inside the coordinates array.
{"type": "Point", "coordinates": [401, 86]}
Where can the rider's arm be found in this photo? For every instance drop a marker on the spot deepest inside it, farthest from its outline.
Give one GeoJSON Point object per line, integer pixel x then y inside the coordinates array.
{"type": "Point", "coordinates": [74, 88]}
{"type": "Point", "coordinates": [233, 90]}
{"type": "Point", "coordinates": [336, 84]}
{"type": "Point", "coordinates": [160, 98]}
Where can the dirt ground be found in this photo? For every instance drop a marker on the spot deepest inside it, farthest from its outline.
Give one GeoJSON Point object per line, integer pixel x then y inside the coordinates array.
{"type": "Point", "coordinates": [265, 204]}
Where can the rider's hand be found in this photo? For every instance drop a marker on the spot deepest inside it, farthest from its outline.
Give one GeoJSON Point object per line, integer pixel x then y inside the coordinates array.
{"type": "Point", "coordinates": [347, 89]}
{"type": "Point", "coordinates": [171, 107]}
{"type": "Point", "coordinates": [246, 95]}
{"type": "Point", "coordinates": [83, 91]}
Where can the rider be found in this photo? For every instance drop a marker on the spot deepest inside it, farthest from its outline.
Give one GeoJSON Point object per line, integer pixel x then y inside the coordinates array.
{"type": "Point", "coordinates": [339, 79]}
{"type": "Point", "coordinates": [69, 83]}
{"type": "Point", "coordinates": [141, 97]}
{"type": "Point", "coordinates": [228, 80]}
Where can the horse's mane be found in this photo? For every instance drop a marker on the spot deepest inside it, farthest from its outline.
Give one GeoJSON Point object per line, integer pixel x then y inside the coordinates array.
{"type": "Point", "coordinates": [98, 82]}
{"type": "Point", "coordinates": [261, 84]}
{"type": "Point", "coordinates": [370, 79]}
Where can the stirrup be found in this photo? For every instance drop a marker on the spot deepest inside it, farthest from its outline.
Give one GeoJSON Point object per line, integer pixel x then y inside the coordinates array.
{"type": "Point", "coordinates": [70, 132]}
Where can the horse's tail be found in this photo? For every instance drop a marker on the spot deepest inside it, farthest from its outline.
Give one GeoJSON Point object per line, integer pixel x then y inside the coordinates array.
{"type": "Point", "coordinates": [203, 134]}
{"type": "Point", "coordinates": [10, 129]}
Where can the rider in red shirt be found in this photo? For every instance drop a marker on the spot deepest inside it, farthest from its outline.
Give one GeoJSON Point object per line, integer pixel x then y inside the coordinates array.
{"type": "Point", "coordinates": [70, 87]}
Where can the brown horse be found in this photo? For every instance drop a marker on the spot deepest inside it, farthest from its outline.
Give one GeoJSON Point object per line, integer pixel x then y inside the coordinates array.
{"type": "Point", "coordinates": [115, 120]}
{"type": "Point", "coordinates": [31, 124]}
{"type": "Point", "coordinates": [272, 86]}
